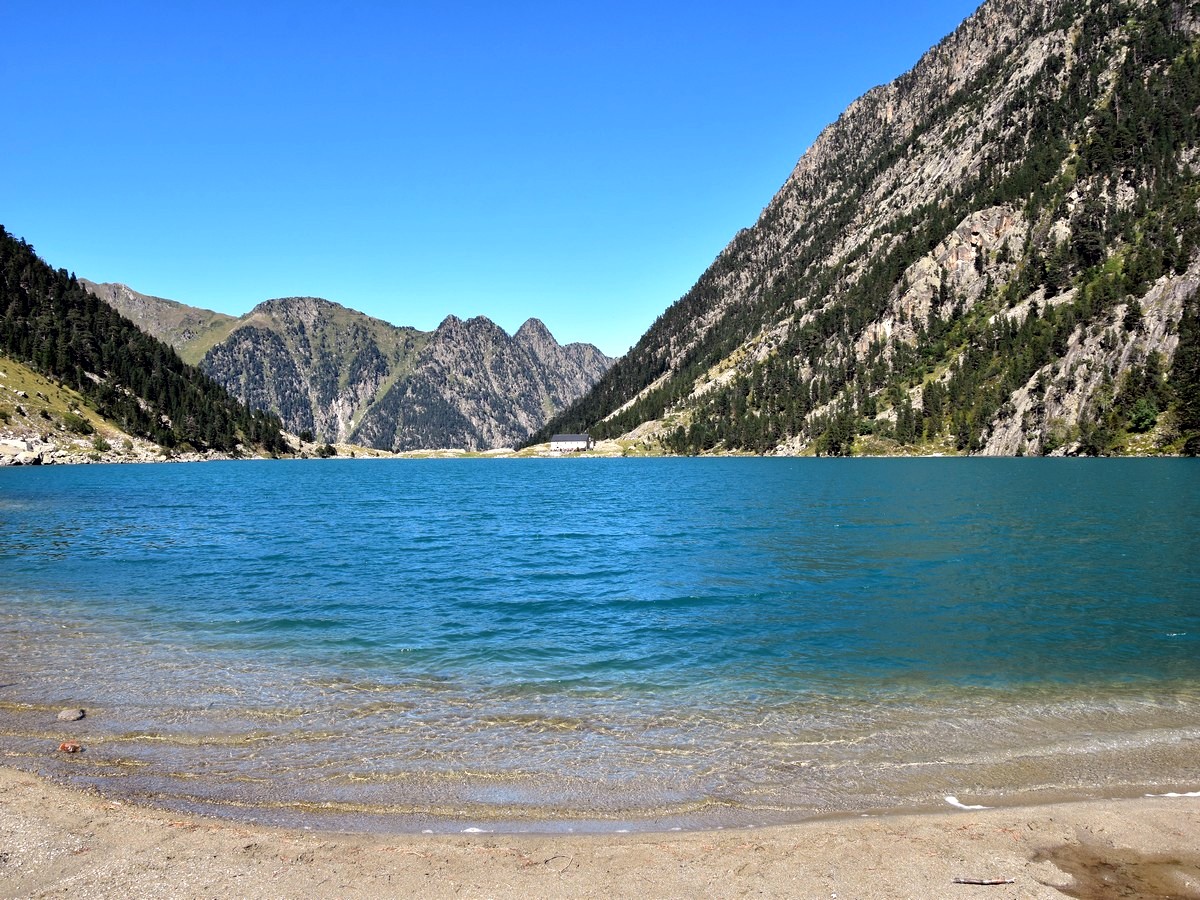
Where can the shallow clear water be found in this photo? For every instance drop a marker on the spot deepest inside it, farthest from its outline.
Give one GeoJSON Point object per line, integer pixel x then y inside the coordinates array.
{"type": "Point", "coordinates": [602, 643]}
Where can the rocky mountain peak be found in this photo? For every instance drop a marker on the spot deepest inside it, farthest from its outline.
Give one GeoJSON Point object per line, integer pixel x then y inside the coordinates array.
{"type": "Point", "coordinates": [533, 330]}
{"type": "Point", "coordinates": [307, 309]}
{"type": "Point", "coordinates": [475, 330]}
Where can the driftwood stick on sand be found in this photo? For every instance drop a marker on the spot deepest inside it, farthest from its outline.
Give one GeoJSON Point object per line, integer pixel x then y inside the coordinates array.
{"type": "Point", "coordinates": [984, 881]}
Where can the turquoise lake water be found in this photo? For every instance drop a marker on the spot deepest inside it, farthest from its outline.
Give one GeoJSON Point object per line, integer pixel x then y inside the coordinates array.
{"type": "Point", "coordinates": [602, 644]}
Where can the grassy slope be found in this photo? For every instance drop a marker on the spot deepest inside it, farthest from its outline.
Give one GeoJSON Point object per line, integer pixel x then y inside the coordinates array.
{"type": "Point", "coordinates": [47, 409]}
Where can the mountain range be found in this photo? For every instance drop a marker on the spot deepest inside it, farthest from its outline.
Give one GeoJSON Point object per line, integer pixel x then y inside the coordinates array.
{"type": "Point", "coordinates": [997, 253]}
{"type": "Point", "coordinates": [338, 375]}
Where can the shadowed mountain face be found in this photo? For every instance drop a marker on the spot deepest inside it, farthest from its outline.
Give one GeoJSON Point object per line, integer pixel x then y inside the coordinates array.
{"type": "Point", "coordinates": [345, 376]}
{"type": "Point", "coordinates": [997, 253]}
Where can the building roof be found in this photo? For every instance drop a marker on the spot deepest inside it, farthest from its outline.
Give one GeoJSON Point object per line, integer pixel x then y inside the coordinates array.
{"type": "Point", "coordinates": [570, 437]}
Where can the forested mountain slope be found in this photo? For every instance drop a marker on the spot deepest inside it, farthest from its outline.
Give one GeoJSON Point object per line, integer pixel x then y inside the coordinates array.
{"type": "Point", "coordinates": [189, 329]}
{"type": "Point", "coordinates": [997, 253]}
{"type": "Point", "coordinates": [343, 376]}
{"type": "Point", "coordinates": [56, 328]}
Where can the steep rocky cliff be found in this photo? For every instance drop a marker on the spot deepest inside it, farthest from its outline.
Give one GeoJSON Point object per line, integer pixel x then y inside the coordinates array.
{"type": "Point", "coordinates": [477, 387]}
{"type": "Point", "coordinates": [344, 376]}
{"type": "Point", "coordinates": [996, 253]}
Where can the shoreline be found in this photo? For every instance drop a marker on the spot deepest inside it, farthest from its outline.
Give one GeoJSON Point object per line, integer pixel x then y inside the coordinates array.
{"type": "Point", "coordinates": [56, 839]}
{"type": "Point", "coordinates": [25, 448]}
{"type": "Point", "coordinates": [18, 453]}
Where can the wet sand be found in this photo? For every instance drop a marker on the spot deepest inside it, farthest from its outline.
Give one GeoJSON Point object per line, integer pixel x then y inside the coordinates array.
{"type": "Point", "coordinates": [60, 841]}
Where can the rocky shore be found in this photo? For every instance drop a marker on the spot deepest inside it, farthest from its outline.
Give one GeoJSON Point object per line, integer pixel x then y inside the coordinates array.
{"type": "Point", "coordinates": [34, 451]}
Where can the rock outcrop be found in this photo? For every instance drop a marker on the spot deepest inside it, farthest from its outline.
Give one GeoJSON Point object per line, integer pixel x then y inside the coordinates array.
{"type": "Point", "coordinates": [15, 452]}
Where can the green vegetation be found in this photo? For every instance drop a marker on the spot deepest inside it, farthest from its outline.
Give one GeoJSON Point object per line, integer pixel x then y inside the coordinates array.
{"type": "Point", "coordinates": [46, 405]}
{"type": "Point", "coordinates": [76, 423]}
{"type": "Point", "coordinates": [1113, 112]}
{"type": "Point", "coordinates": [51, 323]}
{"type": "Point", "coordinates": [1185, 376]}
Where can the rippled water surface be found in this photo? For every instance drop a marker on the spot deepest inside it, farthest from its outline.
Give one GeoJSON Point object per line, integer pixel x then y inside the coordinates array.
{"type": "Point", "coordinates": [602, 643]}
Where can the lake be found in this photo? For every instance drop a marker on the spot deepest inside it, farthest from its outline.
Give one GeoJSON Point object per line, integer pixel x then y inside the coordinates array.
{"type": "Point", "coordinates": [600, 644]}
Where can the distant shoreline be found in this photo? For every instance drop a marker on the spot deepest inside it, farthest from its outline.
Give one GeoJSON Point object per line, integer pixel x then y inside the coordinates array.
{"type": "Point", "coordinates": [51, 455]}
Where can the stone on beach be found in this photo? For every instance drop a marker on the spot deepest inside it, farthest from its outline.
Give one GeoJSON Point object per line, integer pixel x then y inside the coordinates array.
{"type": "Point", "coordinates": [71, 715]}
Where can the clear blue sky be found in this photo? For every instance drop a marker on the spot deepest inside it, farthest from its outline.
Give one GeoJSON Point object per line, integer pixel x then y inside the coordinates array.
{"type": "Point", "coordinates": [578, 162]}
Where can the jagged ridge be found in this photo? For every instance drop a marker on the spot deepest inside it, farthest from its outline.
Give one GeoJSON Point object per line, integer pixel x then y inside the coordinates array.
{"type": "Point", "coordinates": [343, 376]}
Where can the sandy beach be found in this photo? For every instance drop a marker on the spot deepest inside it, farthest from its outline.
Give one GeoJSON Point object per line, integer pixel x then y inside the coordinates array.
{"type": "Point", "coordinates": [58, 841]}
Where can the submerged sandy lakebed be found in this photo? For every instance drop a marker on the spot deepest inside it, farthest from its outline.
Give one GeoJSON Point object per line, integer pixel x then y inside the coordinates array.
{"type": "Point", "coordinates": [59, 841]}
